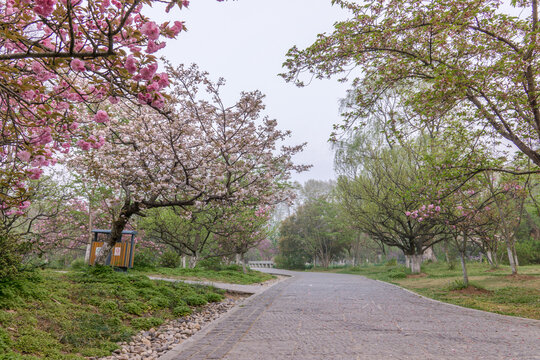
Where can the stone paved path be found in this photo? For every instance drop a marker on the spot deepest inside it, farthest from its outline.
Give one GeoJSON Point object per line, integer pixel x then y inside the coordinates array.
{"type": "Point", "coordinates": [336, 316]}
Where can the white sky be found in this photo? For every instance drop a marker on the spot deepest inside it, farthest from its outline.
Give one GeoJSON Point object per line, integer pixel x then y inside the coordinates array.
{"type": "Point", "coordinates": [245, 42]}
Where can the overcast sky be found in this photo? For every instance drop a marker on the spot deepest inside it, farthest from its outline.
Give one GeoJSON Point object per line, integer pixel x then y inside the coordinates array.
{"type": "Point", "coordinates": [245, 41]}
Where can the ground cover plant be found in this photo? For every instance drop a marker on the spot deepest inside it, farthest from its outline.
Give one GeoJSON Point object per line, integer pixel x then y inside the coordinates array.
{"type": "Point", "coordinates": [491, 289]}
{"type": "Point", "coordinates": [77, 314]}
{"type": "Point", "coordinates": [228, 274]}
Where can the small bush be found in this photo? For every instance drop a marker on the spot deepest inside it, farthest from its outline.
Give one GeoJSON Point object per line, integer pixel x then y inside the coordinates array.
{"type": "Point", "coordinates": [109, 305]}
{"type": "Point", "coordinates": [213, 297]}
{"type": "Point", "coordinates": [133, 308]}
{"type": "Point", "coordinates": [78, 264]}
{"type": "Point", "coordinates": [5, 341]}
{"type": "Point", "coordinates": [195, 300]}
{"type": "Point", "coordinates": [394, 274]}
{"type": "Point", "coordinates": [211, 264]}
{"type": "Point", "coordinates": [391, 262]}
{"type": "Point", "coordinates": [145, 259]}
{"type": "Point", "coordinates": [145, 323]}
{"type": "Point", "coordinates": [170, 259]}
{"type": "Point", "coordinates": [181, 310]}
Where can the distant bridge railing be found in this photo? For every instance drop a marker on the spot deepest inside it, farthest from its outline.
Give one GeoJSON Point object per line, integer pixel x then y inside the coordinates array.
{"type": "Point", "coordinates": [261, 264]}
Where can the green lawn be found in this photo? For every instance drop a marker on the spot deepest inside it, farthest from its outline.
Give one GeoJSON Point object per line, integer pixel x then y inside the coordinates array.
{"type": "Point", "coordinates": [492, 290]}
{"type": "Point", "coordinates": [52, 315]}
{"type": "Point", "coordinates": [230, 274]}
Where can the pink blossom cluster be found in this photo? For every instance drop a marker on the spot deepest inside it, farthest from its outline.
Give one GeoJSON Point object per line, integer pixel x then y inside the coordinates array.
{"type": "Point", "coordinates": [424, 212]}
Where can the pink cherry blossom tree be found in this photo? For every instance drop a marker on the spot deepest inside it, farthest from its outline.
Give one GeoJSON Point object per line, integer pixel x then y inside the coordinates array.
{"type": "Point", "coordinates": [195, 151]}
{"type": "Point", "coordinates": [58, 57]}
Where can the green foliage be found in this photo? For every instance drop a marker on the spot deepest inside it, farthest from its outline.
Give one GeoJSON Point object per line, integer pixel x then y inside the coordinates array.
{"type": "Point", "coordinates": [86, 312]}
{"type": "Point", "coordinates": [145, 323]}
{"type": "Point", "coordinates": [181, 310]}
{"type": "Point", "coordinates": [145, 259]}
{"type": "Point", "coordinates": [227, 274]}
{"type": "Point", "coordinates": [213, 297]}
{"type": "Point", "coordinates": [213, 263]}
{"type": "Point", "coordinates": [134, 308]}
{"type": "Point", "coordinates": [5, 341]}
{"type": "Point", "coordinates": [195, 300]}
{"type": "Point", "coordinates": [10, 255]}
{"type": "Point", "coordinates": [391, 262]}
{"type": "Point", "coordinates": [170, 259]}
{"type": "Point", "coordinates": [78, 264]}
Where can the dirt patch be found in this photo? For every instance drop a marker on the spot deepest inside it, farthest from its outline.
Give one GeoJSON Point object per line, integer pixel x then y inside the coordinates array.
{"type": "Point", "coordinates": [413, 276]}
{"type": "Point", "coordinates": [494, 270]}
{"type": "Point", "coordinates": [471, 290]}
{"type": "Point", "coordinates": [519, 277]}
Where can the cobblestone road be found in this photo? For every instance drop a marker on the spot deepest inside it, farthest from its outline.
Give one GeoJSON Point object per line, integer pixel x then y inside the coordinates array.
{"type": "Point", "coordinates": [336, 316]}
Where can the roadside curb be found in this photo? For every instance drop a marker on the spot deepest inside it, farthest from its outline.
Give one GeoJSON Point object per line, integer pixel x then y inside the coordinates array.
{"type": "Point", "coordinates": [534, 321]}
{"type": "Point", "coordinates": [177, 350]}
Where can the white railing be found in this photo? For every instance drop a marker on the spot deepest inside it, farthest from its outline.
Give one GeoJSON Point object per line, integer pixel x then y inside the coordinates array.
{"type": "Point", "coordinates": [261, 264]}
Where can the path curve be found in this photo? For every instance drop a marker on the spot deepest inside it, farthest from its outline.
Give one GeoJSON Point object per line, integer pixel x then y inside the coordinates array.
{"type": "Point", "coordinates": [337, 316]}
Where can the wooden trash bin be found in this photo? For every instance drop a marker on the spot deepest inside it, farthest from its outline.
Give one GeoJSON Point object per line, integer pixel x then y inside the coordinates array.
{"type": "Point", "coordinates": [122, 253]}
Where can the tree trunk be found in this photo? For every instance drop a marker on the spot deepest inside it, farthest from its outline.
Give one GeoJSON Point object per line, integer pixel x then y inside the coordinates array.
{"type": "Point", "coordinates": [408, 261]}
{"type": "Point", "coordinates": [489, 257]}
{"type": "Point", "coordinates": [238, 259]}
{"type": "Point", "coordinates": [464, 269]}
{"type": "Point", "coordinates": [445, 248]}
{"type": "Point", "coordinates": [416, 263]}
{"type": "Point", "coordinates": [511, 257]}
{"type": "Point", "coordinates": [193, 261]}
{"type": "Point", "coordinates": [244, 269]}
{"type": "Point", "coordinates": [184, 261]}
{"type": "Point", "coordinates": [118, 227]}
{"type": "Point", "coordinates": [429, 254]}
{"type": "Point", "coordinates": [516, 261]}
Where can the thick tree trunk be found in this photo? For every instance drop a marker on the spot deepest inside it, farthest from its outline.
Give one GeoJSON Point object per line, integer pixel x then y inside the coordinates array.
{"type": "Point", "coordinates": [238, 259]}
{"type": "Point", "coordinates": [118, 227]}
{"type": "Point", "coordinates": [408, 261]}
{"type": "Point", "coordinates": [193, 260]}
{"type": "Point", "coordinates": [464, 269]}
{"type": "Point", "coordinates": [416, 263]}
{"type": "Point", "coordinates": [184, 261]}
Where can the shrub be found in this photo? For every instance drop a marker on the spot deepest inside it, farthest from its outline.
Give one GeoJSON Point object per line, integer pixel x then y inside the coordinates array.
{"type": "Point", "coordinates": [133, 308]}
{"type": "Point", "coordinates": [181, 310]}
{"type": "Point", "coordinates": [195, 300]}
{"type": "Point", "coordinates": [78, 264]}
{"type": "Point", "coordinates": [395, 274]}
{"type": "Point", "coordinates": [145, 259]}
{"type": "Point", "coordinates": [391, 262]}
{"type": "Point", "coordinates": [213, 297]}
{"type": "Point", "coordinates": [10, 256]}
{"type": "Point", "coordinates": [145, 323]}
{"type": "Point", "coordinates": [170, 259]}
{"type": "Point", "coordinates": [213, 263]}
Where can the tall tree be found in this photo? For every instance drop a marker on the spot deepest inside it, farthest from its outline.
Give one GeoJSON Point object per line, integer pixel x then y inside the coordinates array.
{"type": "Point", "coordinates": [473, 59]}
{"type": "Point", "coordinates": [199, 152]}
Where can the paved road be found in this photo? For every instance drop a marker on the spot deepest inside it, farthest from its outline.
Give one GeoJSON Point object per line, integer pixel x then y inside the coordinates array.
{"type": "Point", "coordinates": [336, 316]}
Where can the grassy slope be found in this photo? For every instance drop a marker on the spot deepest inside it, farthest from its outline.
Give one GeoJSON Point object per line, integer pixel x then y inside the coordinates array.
{"type": "Point", "coordinates": [231, 274]}
{"type": "Point", "coordinates": [492, 290]}
{"type": "Point", "coordinates": [51, 315]}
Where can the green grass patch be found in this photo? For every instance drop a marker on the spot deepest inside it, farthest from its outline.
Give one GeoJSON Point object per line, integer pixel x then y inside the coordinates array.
{"type": "Point", "coordinates": [84, 313]}
{"type": "Point", "coordinates": [489, 289]}
{"type": "Point", "coordinates": [229, 274]}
